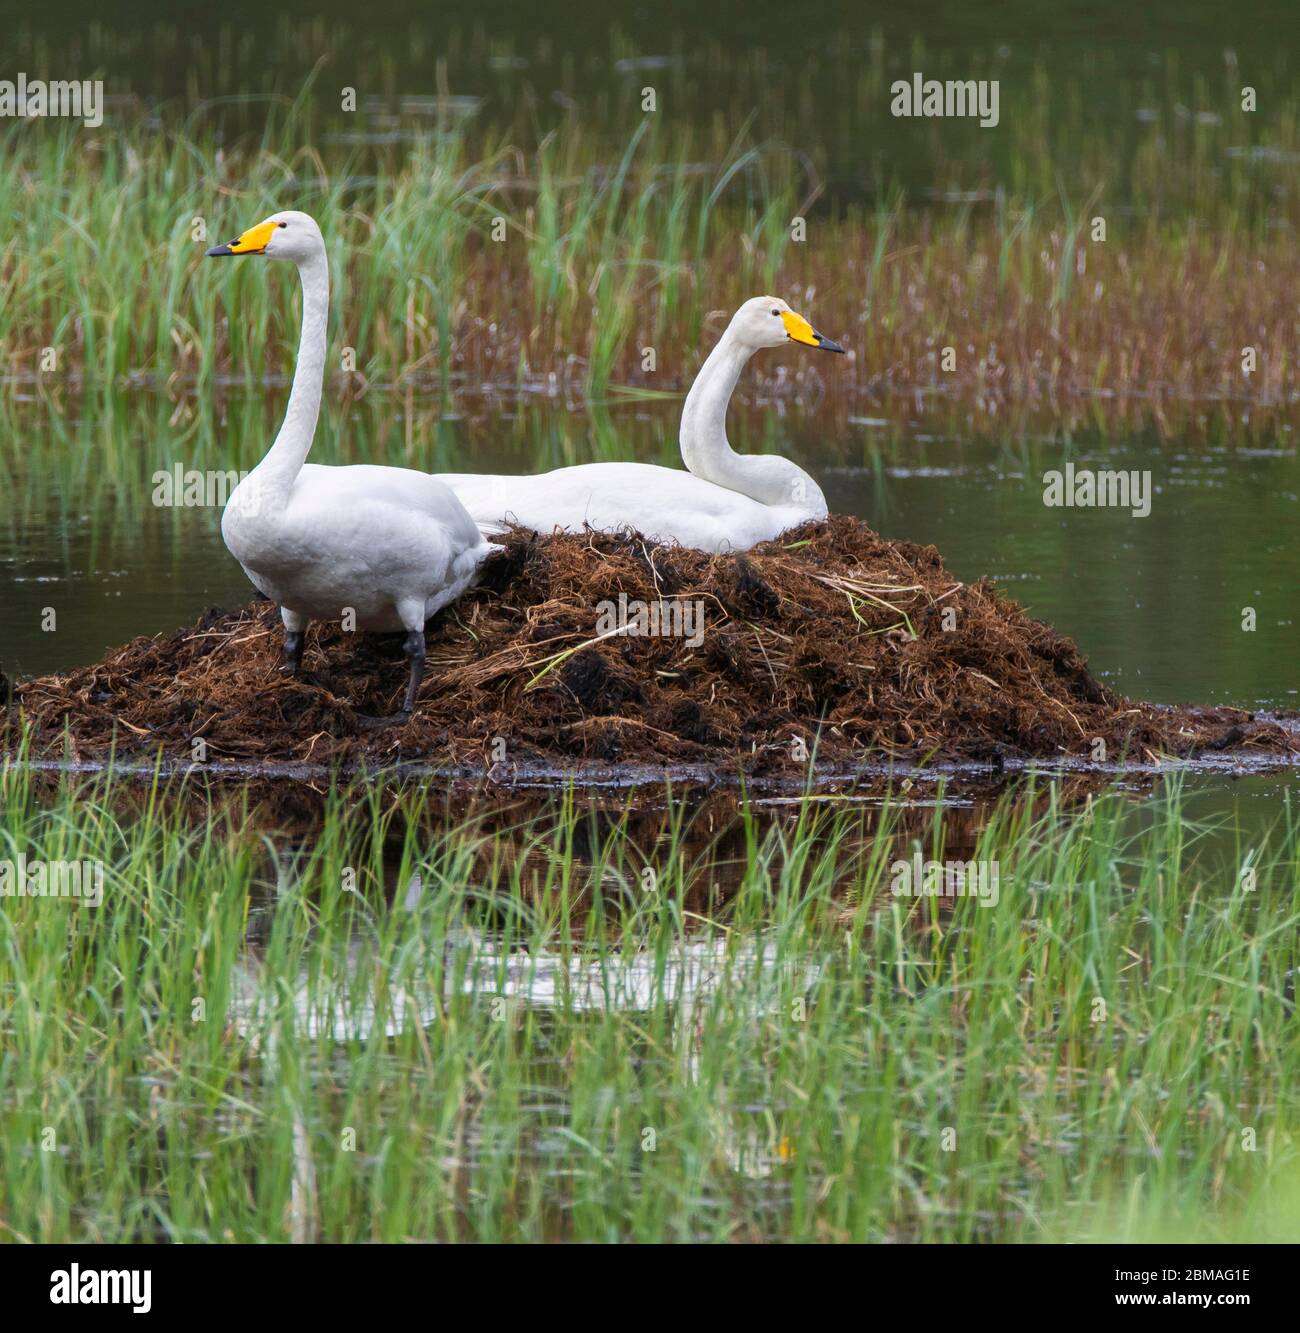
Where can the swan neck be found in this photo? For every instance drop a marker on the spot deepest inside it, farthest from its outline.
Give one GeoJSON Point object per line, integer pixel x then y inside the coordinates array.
{"type": "Point", "coordinates": [286, 456]}
{"type": "Point", "coordinates": [768, 479]}
{"type": "Point", "coordinates": [705, 449]}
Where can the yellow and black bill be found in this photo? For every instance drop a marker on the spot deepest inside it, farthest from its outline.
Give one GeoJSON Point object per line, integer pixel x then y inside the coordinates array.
{"type": "Point", "coordinates": [799, 330]}
{"type": "Point", "coordinates": [251, 242]}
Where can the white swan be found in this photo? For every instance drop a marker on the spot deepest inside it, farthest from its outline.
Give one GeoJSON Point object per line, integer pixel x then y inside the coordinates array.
{"type": "Point", "coordinates": [725, 501]}
{"type": "Point", "coordinates": [390, 544]}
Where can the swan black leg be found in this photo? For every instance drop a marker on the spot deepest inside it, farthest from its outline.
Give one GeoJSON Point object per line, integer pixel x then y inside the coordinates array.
{"type": "Point", "coordinates": [293, 646]}
{"type": "Point", "coordinates": [414, 650]}
{"type": "Point", "coordinates": [413, 647]}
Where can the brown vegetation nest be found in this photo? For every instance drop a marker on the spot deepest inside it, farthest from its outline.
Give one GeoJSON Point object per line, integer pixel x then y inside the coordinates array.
{"type": "Point", "coordinates": [832, 638]}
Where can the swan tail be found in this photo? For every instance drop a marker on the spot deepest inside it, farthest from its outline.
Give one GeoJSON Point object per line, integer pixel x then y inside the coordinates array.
{"type": "Point", "coordinates": [466, 563]}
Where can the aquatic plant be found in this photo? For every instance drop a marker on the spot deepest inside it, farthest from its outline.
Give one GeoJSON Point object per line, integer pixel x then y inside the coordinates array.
{"type": "Point", "coordinates": [391, 1017]}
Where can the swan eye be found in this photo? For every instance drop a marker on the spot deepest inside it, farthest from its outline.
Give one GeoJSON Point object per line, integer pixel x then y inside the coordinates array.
{"type": "Point", "coordinates": [284, 224]}
{"type": "Point", "coordinates": [775, 311]}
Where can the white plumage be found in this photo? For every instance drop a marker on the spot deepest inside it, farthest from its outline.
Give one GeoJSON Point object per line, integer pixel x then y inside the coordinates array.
{"type": "Point", "coordinates": [390, 545]}
{"type": "Point", "coordinates": [724, 501]}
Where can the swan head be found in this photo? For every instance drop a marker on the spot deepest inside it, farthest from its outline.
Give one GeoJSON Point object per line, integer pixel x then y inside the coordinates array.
{"type": "Point", "coordinates": [287, 235]}
{"type": "Point", "coordinates": [767, 321]}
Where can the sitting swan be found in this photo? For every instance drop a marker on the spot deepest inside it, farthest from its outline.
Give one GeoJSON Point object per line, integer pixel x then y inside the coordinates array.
{"type": "Point", "coordinates": [390, 544]}
{"type": "Point", "coordinates": [725, 501]}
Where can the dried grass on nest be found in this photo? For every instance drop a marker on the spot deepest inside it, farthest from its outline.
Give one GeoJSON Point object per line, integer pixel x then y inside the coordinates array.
{"type": "Point", "coordinates": [833, 635]}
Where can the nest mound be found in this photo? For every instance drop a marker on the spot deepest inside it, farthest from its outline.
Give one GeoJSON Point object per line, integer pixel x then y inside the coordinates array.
{"type": "Point", "coordinates": [830, 641]}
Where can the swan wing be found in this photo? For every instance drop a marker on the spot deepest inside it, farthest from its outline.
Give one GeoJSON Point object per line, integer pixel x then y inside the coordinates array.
{"type": "Point", "coordinates": [407, 490]}
{"type": "Point", "coordinates": [664, 504]}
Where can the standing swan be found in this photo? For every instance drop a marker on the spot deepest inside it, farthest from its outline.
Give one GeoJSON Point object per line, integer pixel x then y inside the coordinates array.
{"type": "Point", "coordinates": [725, 501]}
{"type": "Point", "coordinates": [390, 544]}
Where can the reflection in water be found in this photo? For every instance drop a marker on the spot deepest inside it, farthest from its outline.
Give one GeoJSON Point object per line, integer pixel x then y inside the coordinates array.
{"type": "Point", "coordinates": [481, 966]}
{"type": "Point", "coordinates": [696, 985]}
{"type": "Point", "coordinates": [752, 978]}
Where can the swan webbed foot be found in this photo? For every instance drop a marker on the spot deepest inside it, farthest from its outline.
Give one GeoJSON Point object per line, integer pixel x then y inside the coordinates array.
{"type": "Point", "coordinates": [293, 648]}
{"type": "Point", "coordinates": [368, 723]}
{"type": "Point", "coordinates": [414, 650]}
